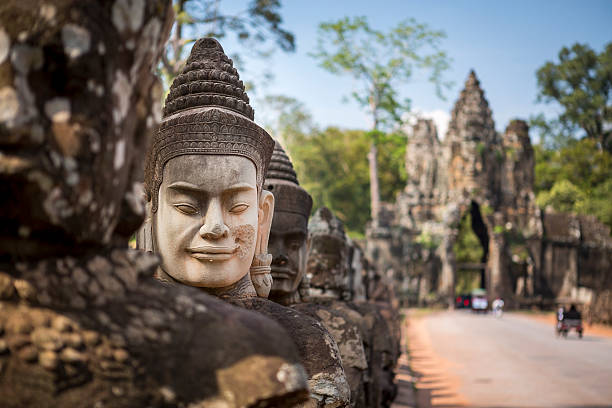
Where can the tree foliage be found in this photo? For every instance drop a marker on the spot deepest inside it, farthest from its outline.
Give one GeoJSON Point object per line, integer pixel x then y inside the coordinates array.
{"type": "Point", "coordinates": [331, 163]}
{"type": "Point", "coordinates": [382, 63]}
{"type": "Point", "coordinates": [467, 249]}
{"type": "Point", "coordinates": [332, 166]}
{"type": "Point", "coordinates": [575, 178]}
{"type": "Point", "coordinates": [581, 82]}
{"type": "Point", "coordinates": [258, 28]}
{"type": "Point", "coordinates": [285, 118]}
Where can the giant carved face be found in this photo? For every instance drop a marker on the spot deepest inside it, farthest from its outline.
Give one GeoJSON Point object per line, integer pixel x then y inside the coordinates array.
{"type": "Point", "coordinates": [287, 245]}
{"type": "Point", "coordinates": [207, 222]}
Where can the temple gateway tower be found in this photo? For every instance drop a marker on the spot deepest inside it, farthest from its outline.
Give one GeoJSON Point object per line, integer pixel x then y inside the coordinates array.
{"type": "Point", "coordinates": [481, 181]}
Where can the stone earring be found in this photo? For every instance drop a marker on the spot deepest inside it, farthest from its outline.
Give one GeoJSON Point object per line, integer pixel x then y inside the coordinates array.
{"type": "Point", "coordinates": [260, 274]}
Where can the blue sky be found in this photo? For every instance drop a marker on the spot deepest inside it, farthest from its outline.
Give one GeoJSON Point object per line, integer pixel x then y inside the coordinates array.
{"type": "Point", "coordinates": [503, 41]}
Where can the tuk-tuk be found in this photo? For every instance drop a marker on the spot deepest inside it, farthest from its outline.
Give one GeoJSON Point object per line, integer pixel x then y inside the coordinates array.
{"type": "Point", "coordinates": [568, 319]}
{"type": "Point", "coordinates": [480, 304]}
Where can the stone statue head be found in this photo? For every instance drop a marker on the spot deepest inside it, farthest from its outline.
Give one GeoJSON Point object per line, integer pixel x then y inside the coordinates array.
{"type": "Point", "coordinates": [289, 233]}
{"type": "Point", "coordinates": [204, 175]}
{"type": "Point", "coordinates": [77, 103]}
{"type": "Point", "coordinates": [328, 252]}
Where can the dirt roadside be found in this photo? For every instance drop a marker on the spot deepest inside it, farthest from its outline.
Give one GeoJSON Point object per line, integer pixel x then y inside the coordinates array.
{"type": "Point", "coordinates": [435, 386]}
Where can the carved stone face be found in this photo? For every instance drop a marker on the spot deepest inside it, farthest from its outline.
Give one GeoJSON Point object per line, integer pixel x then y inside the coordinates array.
{"type": "Point", "coordinates": [287, 245]}
{"type": "Point", "coordinates": [327, 262]}
{"type": "Point", "coordinates": [206, 226]}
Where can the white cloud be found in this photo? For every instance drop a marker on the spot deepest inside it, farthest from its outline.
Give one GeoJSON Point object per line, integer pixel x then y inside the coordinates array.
{"type": "Point", "coordinates": [440, 118]}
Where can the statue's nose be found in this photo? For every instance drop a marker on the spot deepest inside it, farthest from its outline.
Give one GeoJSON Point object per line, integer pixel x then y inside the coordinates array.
{"type": "Point", "coordinates": [217, 231]}
{"type": "Point", "coordinates": [214, 228]}
{"type": "Point", "coordinates": [280, 260]}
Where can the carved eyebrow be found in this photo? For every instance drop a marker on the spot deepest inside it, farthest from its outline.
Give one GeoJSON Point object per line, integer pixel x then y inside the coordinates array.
{"type": "Point", "coordinates": [236, 188]}
{"type": "Point", "coordinates": [183, 186]}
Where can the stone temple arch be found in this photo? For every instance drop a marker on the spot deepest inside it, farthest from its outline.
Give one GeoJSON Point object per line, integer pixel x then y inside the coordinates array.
{"type": "Point", "coordinates": [473, 169]}
{"type": "Point", "coordinates": [533, 257]}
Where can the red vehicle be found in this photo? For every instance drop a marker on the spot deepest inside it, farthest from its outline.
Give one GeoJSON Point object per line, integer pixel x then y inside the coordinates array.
{"type": "Point", "coordinates": [463, 302]}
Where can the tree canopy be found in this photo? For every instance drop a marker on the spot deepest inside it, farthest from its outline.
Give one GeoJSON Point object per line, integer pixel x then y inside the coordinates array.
{"type": "Point", "coordinates": [581, 82]}
{"type": "Point", "coordinates": [258, 27]}
{"type": "Point", "coordinates": [576, 178]}
{"type": "Point", "coordinates": [332, 166]}
{"type": "Point", "coordinates": [382, 63]}
{"type": "Point", "coordinates": [331, 163]}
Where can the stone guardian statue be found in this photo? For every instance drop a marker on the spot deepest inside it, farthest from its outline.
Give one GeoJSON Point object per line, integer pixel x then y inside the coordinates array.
{"type": "Point", "coordinates": [210, 216]}
{"type": "Point", "coordinates": [289, 233]}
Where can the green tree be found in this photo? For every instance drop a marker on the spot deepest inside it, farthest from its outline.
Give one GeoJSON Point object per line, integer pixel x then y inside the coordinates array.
{"type": "Point", "coordinates": [381, 62]}
{"type": "Point", "coordinates": [332, 166]}
{"type": "Point", "coordinates": [563, 196]}
{"type": "Point", "coordinates": [581, 82]}
{"type": "Point", "coordinates": [467, 248]}
{"type": "Point", "coordinates": [575, 178]}
{"type": "Point", "coordinates": [258, 28]}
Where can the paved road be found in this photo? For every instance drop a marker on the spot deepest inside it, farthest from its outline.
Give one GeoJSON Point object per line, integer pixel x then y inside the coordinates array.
{"type": "Point", "coordinates": [517, 362]}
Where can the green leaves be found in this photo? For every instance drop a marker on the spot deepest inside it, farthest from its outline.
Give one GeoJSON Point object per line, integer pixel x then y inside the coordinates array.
{"type": "Point", "coordinates": [332, 166]}
{"type": "Point", "coordinates": [258, 28]}
{"type": "Point", "coordinates": [581, 82]}
{"type": "Point", "coordinates": [576, 178]}
{"type": "Point", "coordinates": [381, 62]}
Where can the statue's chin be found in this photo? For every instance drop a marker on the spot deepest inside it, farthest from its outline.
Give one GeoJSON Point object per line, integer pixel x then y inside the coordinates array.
{"type": "Point", "coordinates": [207, 274]}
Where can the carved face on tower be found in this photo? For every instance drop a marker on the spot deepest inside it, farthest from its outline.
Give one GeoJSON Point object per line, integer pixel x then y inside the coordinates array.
{"type": "Point", "coordinates": [327, 254]}
{"type": "Point", "coordinates": [289, 231]}
{"type": "Point", "coordinates": [204, 173]}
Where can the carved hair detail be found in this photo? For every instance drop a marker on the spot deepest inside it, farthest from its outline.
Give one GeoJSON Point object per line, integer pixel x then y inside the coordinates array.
{"type": "Point", "coordinates": [207, 112]}
{"type": "Point", "coordinates": [282, 181]}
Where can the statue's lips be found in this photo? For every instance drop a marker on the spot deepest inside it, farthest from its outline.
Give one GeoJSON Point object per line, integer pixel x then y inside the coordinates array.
{"type": "Point", "coordinates": [212, 253]}
{"type": "Point", "coordinates": [280, 272]}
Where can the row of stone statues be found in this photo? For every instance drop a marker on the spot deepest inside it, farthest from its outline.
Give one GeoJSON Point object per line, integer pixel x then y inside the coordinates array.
{"type": "Point", "coordinates": [234, 300]}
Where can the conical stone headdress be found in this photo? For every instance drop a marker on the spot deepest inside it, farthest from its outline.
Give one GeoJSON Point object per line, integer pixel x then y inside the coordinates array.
{"type": "Point", "coordinates": [207, 112]}
{"type": "Point", "coordinates": [282, 181]}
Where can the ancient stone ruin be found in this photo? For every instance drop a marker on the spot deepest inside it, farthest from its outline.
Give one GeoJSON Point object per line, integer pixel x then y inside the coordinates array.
{"type": "Point", "coordinates": [530, 256]}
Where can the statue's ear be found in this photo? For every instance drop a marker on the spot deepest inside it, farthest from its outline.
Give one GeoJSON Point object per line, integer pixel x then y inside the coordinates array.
{"type": "Point", "coordinates": [266, 212]}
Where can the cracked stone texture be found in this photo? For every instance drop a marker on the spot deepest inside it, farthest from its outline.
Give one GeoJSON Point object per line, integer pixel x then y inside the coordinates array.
{"type": "Point", "coordinates": [343, 324]}
{"type": "Point", "coordinates": [318, 350]}
{"type": "Point", "coordinates": [82, 321]}
{"type": "Point", "coordinates": [117, 336]}
{"type": "Point", "coordinates": [66, 125]}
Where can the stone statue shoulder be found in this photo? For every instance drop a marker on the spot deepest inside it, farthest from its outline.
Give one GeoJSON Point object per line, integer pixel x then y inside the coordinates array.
{"type": "Point", "coordinates": [383, 351]}
{"type": "Point", "coordinates": [318, 350]}
{"type": "Point", "coordinates": [343, 325]}
{"type": "Point", "coordinates": [99, 329]}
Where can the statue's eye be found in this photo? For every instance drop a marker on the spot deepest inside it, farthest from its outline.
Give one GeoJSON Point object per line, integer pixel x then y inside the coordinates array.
{"type": "Point", "coordinates": [238, 208]}
{"type": "Point", "coordinates": [294, 244]}
{"type": "Point", "coordinates": [186, 209]}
